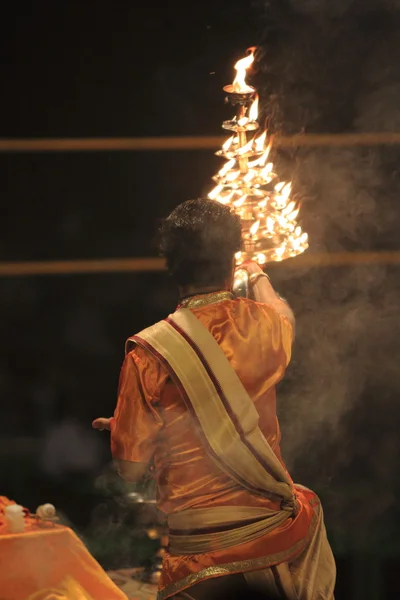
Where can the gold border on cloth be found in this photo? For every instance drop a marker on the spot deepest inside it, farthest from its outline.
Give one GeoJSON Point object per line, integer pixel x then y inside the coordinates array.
{"type": "Point", "coordinates": [206, 299]}
{"type": "Point", "coordinates": [241, 566]}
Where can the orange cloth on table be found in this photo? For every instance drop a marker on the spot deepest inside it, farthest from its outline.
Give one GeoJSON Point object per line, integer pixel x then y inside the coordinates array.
{"type": "Point", "coordinates": [151, 422]}
{"type": "Point", "coordinates": [69, 589]}
{"type": "Point", "coordinates": [50, 562]}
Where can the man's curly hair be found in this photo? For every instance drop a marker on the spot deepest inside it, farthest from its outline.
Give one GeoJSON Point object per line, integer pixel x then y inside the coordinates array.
{"type": "Point", "coordinates": [199, 240]}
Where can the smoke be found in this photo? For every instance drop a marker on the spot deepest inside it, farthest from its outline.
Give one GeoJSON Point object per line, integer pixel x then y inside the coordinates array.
{"type": "Point", "coordinates": [333, 67]}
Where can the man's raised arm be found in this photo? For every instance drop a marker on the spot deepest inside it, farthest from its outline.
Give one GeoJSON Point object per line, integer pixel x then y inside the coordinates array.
{"type": "Point", "coordinates": [265, 293]}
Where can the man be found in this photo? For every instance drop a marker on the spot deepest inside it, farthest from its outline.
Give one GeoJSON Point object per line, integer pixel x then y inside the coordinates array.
{"type": "Point", "coordinates": [197, 398]}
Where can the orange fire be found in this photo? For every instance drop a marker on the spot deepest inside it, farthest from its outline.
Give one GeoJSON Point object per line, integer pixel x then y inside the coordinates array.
{"type": "Point", "coordinates": [254, 228]}
{"type": "Point", "coordinates": [264, 157]}
{"type": "Point", "coordinates": [260, 142]}
{"type": "Point", "coordinates": [239, 202]}
{"type": "Point", "coordinates": [215, 192]}
{"type": "Point", "coordinates": [253, 112]}
{"type": "Point", "coordinates": [227, 167]}
{"type": "Point", "coordinates": [239, 84]}
{"type": "Point", "coordinates": [226, 145]}
{"type": "Point", "coordinates": [269, 216]}
{"type": "Point", "coordinates": [267, 170]}
{"type": "Point", "coordinates": [246, 148]}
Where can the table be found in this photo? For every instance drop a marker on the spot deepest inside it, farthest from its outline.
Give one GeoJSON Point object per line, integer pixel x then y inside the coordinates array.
{"type": "Point", "coordinates": [50, 562]}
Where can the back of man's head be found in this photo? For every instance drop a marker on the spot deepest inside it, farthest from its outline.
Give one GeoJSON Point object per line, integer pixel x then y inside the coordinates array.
{"type": "Point", "coordinates": [199, 240]}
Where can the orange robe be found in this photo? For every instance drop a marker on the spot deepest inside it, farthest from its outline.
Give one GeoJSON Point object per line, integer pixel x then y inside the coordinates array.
{"type": "Point", "coordinates": [151, 422]}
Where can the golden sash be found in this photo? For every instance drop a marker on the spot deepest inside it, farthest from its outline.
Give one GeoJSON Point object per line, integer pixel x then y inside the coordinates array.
{"type": "Point", "coordinates": [237, 524]}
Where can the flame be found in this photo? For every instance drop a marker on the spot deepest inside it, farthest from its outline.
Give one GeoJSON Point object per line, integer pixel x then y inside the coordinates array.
{"type": "Point", "coordinates": [253, 163]}
{"type": "Point", "coordinates": [293, 215]}
{"type": "Point", "coordinates": [270, 224]}
{"type": "Point", "coordinates": [231, 176]}
{"type": "Point", "coordinates": [249, 176]}
{"type": "Point", "coordinates": [253, 112]}
{"type": "Point", "coordinates": [241, 200]}
{"type": "Point", "coordinates": [286, 190]}
{"type": "Point", "coordinates": [254, 228]}
{"type": "Point", "coordinates": [279, 186]}
{"type": "Point", "coordinates": [263, 159]}
{"type": "Point", "coordinates": [215, 192]}
{"type": "Point", "coordinates": [296, 244]}
{"type": "Point", "coordinates": [246, 148]}
{"type": "Point", "coordinates": [288, 209]}
{"type": "Point", "coordinates": [226, 199]}
{"type": "Point", "coordinates": [227, 167]}
{"type": "Point", "coordinates": [266, 170]}
{"type": "Point", "coordinates": [226, 145]}
{"type": "Point", "coordinates": [260, 141]}
{"type": "Point", "coordinates": [281, 221]}
{"type": "Point", "coordinates": [261, 259]}
{"type": "Point", "coordinates": [304, 237]}
{"type": "Point", "coordinates": [239, 83]}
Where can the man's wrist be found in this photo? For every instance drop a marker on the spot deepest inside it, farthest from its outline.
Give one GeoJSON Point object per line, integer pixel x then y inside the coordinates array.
{"type": "Point", "coordinates": [254, 277]}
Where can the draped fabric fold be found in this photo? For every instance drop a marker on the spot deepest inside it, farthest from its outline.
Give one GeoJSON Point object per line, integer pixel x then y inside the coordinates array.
{"type": "Point", "coordinates": [228, 421]}
{"type": "Point", "coordinates": [219, 403]}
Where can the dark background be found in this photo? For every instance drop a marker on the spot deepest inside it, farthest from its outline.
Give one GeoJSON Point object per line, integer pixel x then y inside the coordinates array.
{"type": "Point", "coordinates": [99, 69]}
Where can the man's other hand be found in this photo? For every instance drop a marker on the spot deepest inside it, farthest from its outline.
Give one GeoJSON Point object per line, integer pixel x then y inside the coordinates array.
{"type": "Point", "coordinates": [102, 423]}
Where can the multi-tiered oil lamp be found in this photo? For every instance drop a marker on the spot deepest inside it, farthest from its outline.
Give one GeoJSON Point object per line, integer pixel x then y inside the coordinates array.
{"type": "Point", "coordinates": [248, 183]}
